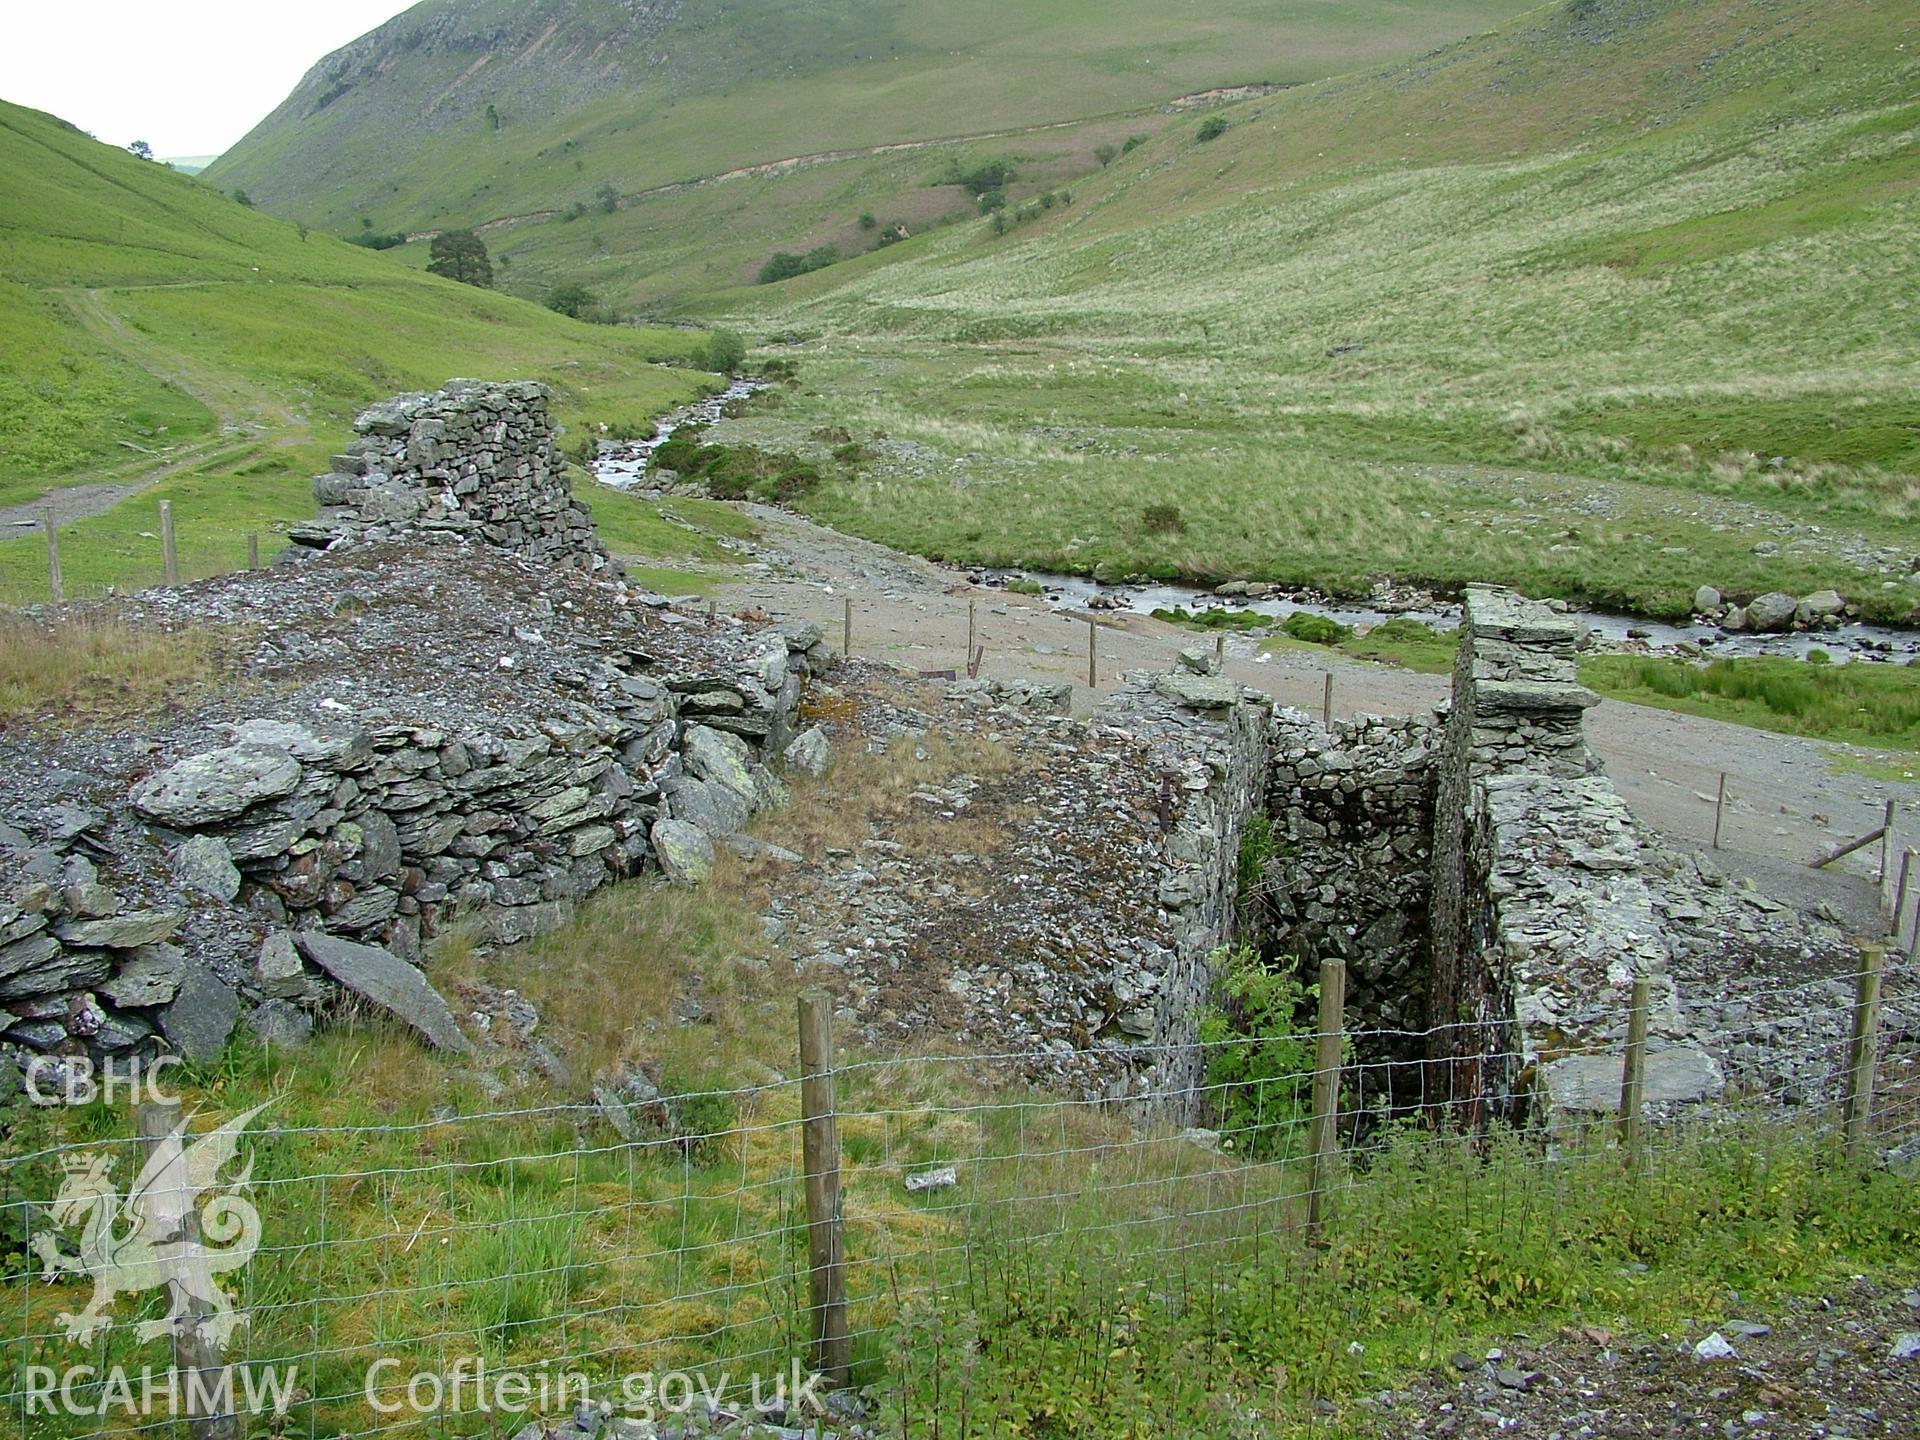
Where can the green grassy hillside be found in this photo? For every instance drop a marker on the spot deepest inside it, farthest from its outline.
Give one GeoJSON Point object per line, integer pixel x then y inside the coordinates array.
{"type": "Point", "coordinates": [1613, 303]}
{"type": "Point", "coordinates": [153, 330]}
{"type": "Point", "coordinates": [461, 112]}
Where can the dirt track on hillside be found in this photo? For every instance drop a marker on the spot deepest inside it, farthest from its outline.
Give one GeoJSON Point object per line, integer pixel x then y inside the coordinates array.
{"type": "Point", "coordinates": [1786, 802]}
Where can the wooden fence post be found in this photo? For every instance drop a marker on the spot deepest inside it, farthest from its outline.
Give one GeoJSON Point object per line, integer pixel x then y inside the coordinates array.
{"type": "Point", "coordinates": [196, 1354]}
{"type": "Point", "coordinates": [1324, 1137]}
{"type": "Point", "coordinates": [253, 550]}
{"type": "Point", "coordinates": [1633, 1079]}
{"type": "Point", "coordinates": [1220, 650]}
{"type": "Point", "coordinates": [1719, 809]}
{"type": "Point", "coordinates": [846, 631]}
{"type": "Point", "coordinates": [826, 1250]}
{"type": "Point", "coordinates": [56, 584]}
{"type": "Point", "coordinates": [1862, 1048]}
{"type": "Point", "coordinates": [167, 553]}
{"type": "Point", "coordinates": [1326, 704]}
{"type": "Point", "coordinates": [1093, 668]}
{"type": "Point", "coordinates": [973, 632]}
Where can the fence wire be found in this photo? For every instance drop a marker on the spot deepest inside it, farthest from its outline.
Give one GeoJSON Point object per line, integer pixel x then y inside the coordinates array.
{"type": "Point", "coordinates": [542, 1243]}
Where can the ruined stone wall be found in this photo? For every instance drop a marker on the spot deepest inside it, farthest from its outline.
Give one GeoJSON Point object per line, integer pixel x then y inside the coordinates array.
{"type": "Point", "coordinates": [1213, 746]}
{"type": "Point", "coordinates": [474, 460]}
{"type": "Point", "coordinates": [1518, 710]}
{"type": "Point", "coordinates": [1350, 877]}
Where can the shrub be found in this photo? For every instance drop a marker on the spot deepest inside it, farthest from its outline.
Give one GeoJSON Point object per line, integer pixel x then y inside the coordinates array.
{"type": "Point", "coordinates": [723, 352]}
{"type": "Point", "coordinates": [1134, 142]}
{"type": "Point", "coordinates": [1212, 128]}
{"type": "Point", "coordinates": [1022, 585]}
{"type": "Point", "coordinates": [1105, 154]}
{"type": "Point", "coordinates": [1259, 1056]}
{"type": "Point", "coordinates": [1162, 520]}
{"type": "Point", "coordinates": [371, 240]}
{"type": "Point", "coordinates": [573, 299]}
{"type": "Point", "coordinates": [702, 1120]}
{"type": "Point", "coordinates": [1314, 629]}
{"type": "Point", "coordinates": [785, 266]}
{"type": "Point", "coordinates": [867, 221]}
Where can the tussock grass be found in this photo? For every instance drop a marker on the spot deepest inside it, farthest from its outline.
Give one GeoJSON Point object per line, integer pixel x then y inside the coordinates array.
{"type": "Point", "coordinates": [1862, 703]}
{"type": "Point", "coordinates": [91, 670]}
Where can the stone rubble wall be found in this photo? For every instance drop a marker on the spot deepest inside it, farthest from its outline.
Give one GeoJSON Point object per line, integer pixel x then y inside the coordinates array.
{"type": "Point", "coordinates": [382, 835]}
{"type": "Point", "coordinates": [473, 460]}
{"type": "Point", "coordinates": [1213, 745]}
{"type": "Point", "coordinates": [1350, 877]}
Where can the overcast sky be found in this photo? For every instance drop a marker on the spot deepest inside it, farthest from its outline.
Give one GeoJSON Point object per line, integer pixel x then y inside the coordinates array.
{"type": "Point", "coordinates": [189, 77]}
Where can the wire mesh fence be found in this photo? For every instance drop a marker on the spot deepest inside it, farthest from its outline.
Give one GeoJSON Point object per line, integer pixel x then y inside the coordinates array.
{"type": "Point", "coordinates": [395, 1277]}
{"type": "Point", "coordinates": [139, 546]}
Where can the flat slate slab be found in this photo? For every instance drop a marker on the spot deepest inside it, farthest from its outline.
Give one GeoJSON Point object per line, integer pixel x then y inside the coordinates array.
{"type": "Point", "coordinates": [388, 981]}
{"type": "Point", "coordinates": [1590, 1084]}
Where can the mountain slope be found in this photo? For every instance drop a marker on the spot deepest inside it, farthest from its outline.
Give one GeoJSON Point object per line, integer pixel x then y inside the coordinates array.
{"type": "Point", "coordinates": [1614, 303]}
{"type": "Point", "coordinates": [462, 111]}
{"type": "Point", "coordinates": [154, 331]}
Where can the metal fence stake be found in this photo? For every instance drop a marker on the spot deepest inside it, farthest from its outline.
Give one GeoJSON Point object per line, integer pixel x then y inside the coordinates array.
{"type": "Point", "coordinates": [1326, 704]}
{"type": "Point", "coordinates": [973, 631]}
{"type": "Point", "coordinates": [1886, 848]}
{"type": "Point", "coordinates": [167, 552]}
{"type": "Point", "coordinates": [826, 1249]}
{"type": "Point", "coordinates": [1863, 1046]}
{"type": "Point", "coordinates": [1093, 670]}
{"type": "Point", "coordinates": [1719, 809]}
{"type": "Point", "coordinates": [1900, 897]}
{"type": "Point", "coordinates": [55, 583]}
{"type": "Point", "coordinates": [1325, 1135]}
{"type": "Point", "coordinates": [846, 631]}
{"type": "Point", "coordinates": [1633, 1079]}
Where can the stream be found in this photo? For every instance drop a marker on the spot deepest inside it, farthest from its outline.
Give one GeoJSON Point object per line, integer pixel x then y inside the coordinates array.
{"type": "Point", "coordinates": [623, 465]}
{"type": "Point", "coordinates": [1842, 642]}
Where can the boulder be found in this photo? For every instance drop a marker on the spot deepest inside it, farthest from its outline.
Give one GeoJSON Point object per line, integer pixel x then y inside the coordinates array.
{"type": "Point", "coordinates": [1196, 661]}
{"type": "Point", "coordinates": [1706, 601]}
{"type": "Point", "coordinates": [281, 1023]}
{"type": "Point", "coordinates": [1198, 692]}
{"type": "Point", "coordinates": [684, 850]}
{"type": "Point", "coordinates": [1820, 604]}
{"type": "Point", "coordinates": [217, 785]}
{"type": "Point", "coordinates": [202, 1014]}
{"type": "Point", "coordinates": [810, 753]}
{"type": "Point", "coordinates": [280, 972]}
{"type": "Point", "coordinates": [204, 863]}
{"type": "Point", "coordinates": [1772, 612]}
{"type": "Point", "coordinates": [384, 979]}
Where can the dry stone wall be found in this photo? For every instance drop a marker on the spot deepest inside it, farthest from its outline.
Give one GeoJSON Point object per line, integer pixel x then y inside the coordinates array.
{"type": "Point", "coordinates": [472, 460]}
{"type": "Point", "coordinates": [1350, 875]}
{"type": "Point", "coordinates": [488, 730]}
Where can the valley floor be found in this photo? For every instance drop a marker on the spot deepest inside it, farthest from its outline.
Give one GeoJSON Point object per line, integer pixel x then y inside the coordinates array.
{"type": "Point", "coordinates": [1788, 799]}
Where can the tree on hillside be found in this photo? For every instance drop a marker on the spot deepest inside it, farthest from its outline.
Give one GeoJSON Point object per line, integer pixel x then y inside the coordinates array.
{"type": "Point", "coordinates": [1105, 154]}
{"type": "Point", "coordinates": [461, 255]}
{"type": "Point", "coordinates": [142, 149]}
